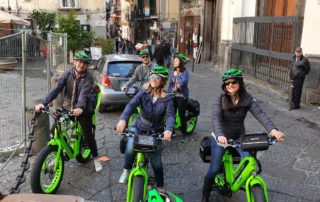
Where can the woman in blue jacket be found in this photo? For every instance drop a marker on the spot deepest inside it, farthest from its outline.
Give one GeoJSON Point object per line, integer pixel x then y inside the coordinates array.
{"type": "Point", "coordinates": [178, 85]}
{"type": "Point", "coordinates": [156, 107]}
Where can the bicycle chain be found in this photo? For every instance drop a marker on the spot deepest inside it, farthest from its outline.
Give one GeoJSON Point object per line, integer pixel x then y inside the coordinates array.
{"type": "Point", "coordinates": [21, 178]}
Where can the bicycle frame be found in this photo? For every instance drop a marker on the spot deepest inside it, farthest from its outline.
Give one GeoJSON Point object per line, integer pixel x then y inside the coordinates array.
{"type": "Point", "coordinates": [64, 143]}
{"type": "Point", "coordinates": [244, 174]}
{"type": "Point", "coordinates": [139, 169]}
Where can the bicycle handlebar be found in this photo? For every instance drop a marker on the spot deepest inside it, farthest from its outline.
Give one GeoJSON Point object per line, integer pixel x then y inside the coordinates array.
{"type": "Point", "coordinates": [56, 114]}
{"type": "Point", "coordinates": [158, 136]}
{"type": "Point", "coordinates": [236, 144]}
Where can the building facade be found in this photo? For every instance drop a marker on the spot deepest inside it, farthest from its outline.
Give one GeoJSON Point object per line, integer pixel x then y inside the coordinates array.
{"type": "Point", "coordinates": [260, 37]}
{"type": "Point", "coordinates": [91, 16]}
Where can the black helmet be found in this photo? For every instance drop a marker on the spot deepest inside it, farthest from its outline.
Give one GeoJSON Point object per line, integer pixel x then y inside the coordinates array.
{"type": "Point", "coordinates": [87, 51]}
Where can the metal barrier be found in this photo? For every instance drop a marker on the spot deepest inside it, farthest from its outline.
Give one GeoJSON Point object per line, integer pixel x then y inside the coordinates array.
{"type": "Point", "coordinates": [26, 65]}
{"type": "Point", "coordinates": [263, 46]}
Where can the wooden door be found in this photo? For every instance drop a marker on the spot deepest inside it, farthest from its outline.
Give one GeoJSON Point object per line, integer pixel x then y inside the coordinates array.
{"type": "Point", "coordinates": [281, 7]}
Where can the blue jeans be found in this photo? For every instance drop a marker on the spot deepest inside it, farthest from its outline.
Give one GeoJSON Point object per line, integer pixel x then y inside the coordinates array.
{"type": "Point", "coordinates": [154, 157]}
{"type": "Point", "coordinates": [217, 153]}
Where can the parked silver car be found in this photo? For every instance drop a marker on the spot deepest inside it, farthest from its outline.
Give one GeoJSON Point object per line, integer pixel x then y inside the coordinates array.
{"type": "Point", "coordinates": [111, 73]}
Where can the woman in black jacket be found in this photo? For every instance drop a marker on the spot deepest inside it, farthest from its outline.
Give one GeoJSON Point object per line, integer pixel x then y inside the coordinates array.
{"type": "Point", "coordinates": [229, 112]}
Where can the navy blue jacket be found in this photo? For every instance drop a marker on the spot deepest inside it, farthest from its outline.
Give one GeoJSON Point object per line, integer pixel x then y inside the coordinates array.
{"type": "Point", "coordinates": [183, 79]}
{"type": "Point", "coordinates": [65, 82]}
{"type": "Point", "coordinates": [152, 115]}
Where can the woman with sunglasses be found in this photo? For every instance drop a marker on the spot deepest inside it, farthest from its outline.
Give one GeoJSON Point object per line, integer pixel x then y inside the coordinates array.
{"type": "Point", "coordinates": [178, 85]}
{"type": "Point", "coordinates": [229, 112]}
{"type": "Point", "coordinates": [156, 109]}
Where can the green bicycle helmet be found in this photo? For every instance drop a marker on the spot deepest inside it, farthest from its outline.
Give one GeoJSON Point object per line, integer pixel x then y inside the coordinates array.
{"type": "Point", "coordinates": [144, 52]}
{"type": "Point", "coordinates": [232, 74]}
{"type": "Point", "coordinates": [161, 71]}
{"type": "Point", "coordinates": [155, 196]}
{"type": "Point", "coordinates": [81, 55]}
{"type": "Point", "coordinates": [181, 57]}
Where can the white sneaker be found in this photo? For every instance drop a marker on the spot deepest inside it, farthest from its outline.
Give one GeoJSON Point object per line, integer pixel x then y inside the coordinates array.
{"type": "Point", "coordinates": [97, 165]}
{"type": "Point", "coordinates": [124, 176]}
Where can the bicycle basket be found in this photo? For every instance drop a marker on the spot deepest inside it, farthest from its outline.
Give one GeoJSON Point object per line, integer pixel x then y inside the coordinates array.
{"type": "Point", "coordinates": [254, 142]}
{"type": "Point", "coordinates": [144, 143]}
{"type": "Point", "coordinates": [205, 149]}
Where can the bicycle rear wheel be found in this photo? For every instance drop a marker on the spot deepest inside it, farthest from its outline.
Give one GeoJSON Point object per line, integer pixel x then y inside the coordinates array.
{"type": "Point", "coordinates": [84, 154]}
{"type": "Point", "coordinates": [257, 194]}
{"type": "Point", "coordinates": [191, 124]}
{"type": "Point", "coordinates": [133, 117]}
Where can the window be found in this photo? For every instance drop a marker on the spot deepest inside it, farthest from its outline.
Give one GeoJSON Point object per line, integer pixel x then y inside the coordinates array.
{"type": "Point", "coordinates": [69, 4]}
{"type": "Point", "coordinates": [122, 69]}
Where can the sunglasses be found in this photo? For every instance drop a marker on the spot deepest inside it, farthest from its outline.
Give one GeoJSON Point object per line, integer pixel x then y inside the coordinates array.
{"type": "Point", "coordinates": [144, 57]}
{"type": "Point", "coordinates": [157, 78]}
{"type": "Point", "coordinates": [84, 62]}
{"type": "Point", "coordinates": [232, 82]}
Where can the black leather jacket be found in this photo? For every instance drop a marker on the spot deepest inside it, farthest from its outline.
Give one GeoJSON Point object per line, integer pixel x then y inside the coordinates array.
{"type": "Point", "coordinates": [300, 68]}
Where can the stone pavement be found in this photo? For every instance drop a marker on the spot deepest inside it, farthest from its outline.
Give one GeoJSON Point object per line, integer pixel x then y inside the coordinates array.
{"type": "Point", "coordinates": [291, 169]}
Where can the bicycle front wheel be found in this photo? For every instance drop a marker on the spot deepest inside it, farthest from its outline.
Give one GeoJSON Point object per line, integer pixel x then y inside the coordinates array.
{"type": "Point", "coordinates": [47, 171]}
{"type": "Point", "coordinates": [138, 189]}
{"type": "Point", "coordinates": [257, 194]}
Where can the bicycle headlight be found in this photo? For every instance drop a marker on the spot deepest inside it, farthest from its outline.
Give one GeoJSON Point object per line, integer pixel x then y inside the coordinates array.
{"type": "Point", "coordinates": [140, 164]}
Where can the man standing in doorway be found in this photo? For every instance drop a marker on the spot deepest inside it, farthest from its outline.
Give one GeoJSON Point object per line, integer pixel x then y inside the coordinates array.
{"type": "Point", "coordinates": [300, 68]}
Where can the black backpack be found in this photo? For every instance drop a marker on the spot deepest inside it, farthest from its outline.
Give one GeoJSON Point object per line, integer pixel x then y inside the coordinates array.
{"type": "Point", "coordinates": [205, 149]}
{"type": "Point", "coordinates": [193, 107]}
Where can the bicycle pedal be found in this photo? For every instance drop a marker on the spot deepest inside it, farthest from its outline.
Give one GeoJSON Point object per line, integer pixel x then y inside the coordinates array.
{"type": "Point", "coordinates": [65, 157]}
{"type": "Point", "coordinates": [74, 136]}
{"type": "Point", "coordinates": [151, 181]}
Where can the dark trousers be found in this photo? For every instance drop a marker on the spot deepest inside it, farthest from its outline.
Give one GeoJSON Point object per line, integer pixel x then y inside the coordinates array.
{"type": "Point", "coordinates": [87, 127]}
{"type": "Point", "coordinates": [297, 91]}
{"type": "Point", "coordinates": [181, 104]}
{"type": "Point", "coordinates": [217, 153]}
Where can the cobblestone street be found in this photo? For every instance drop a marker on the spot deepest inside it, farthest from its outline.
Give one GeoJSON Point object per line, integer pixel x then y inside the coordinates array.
{"type": "Point", "coordinates": [291, 169]}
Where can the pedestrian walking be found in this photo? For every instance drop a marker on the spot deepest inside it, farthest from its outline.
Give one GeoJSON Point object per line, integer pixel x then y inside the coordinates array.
{"type": "Point", "coordinates": [161, 54]}
{"type": "Point", "coordinates": [299, 69]}
{"type": "Point", "coordinates": [129, 46]}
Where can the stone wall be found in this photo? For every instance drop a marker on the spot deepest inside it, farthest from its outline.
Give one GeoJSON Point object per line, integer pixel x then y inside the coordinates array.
{"type": "Point", "coordinates": [311, 87]}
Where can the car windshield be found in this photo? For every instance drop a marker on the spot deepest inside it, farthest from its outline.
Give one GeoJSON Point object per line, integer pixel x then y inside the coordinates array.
{"type": "Point", "coordinates": [122, 69]}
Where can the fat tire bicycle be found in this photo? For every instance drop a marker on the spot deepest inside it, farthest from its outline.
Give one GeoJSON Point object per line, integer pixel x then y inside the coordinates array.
{"type": "Point", "coordinates": [138, 179]}
{"type": "Point", "coordinates": [67, 143]}
{"type": "Point", "coordinates": [245, 175]}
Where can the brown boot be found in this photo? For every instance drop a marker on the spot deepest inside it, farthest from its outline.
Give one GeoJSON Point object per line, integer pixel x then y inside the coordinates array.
{"type": "Point", "coordinates": [207, 187]}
